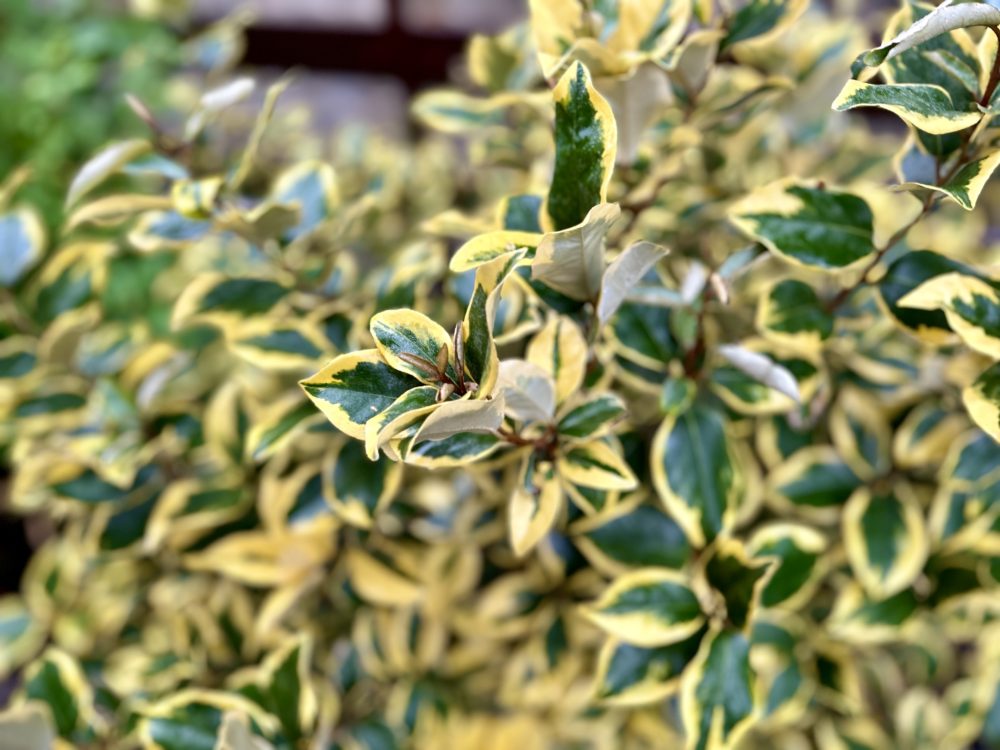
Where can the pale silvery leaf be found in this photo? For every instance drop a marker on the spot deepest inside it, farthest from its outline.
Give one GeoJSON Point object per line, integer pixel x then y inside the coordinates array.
{"type": "Point", "coordinates": [656, 296]}
{"type": "Point", "coordinates": [635, 100]}
{"type": "Point", "coordinates": [453, 417]}
{"type": "Point", "coordinates": [529, 391]}
{"type": "Point", "coordinates": [103, 165]}
{"type": "Point", "coordinates": [26, 728]}
{"type": "Point", "coordinates": [943, 19]}
{"type": "Point", "coordinates": [228, 95]}
{"type": "Point", "coordinates": [694, 282]}
{"type": "Point", "coordinates": [624, 273]}
{"type": "Point", "coordinates": [571, 261]}
{"type": "Point", "coordinates": [763, 369]}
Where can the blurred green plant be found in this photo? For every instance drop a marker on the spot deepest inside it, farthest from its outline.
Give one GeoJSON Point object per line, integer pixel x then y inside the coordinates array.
{"type": "Point", "coordinates": [66, 65]}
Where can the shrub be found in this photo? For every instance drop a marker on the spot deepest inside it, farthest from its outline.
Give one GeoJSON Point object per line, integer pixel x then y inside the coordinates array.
{"type": "Point", "coordinates": [625, 437]}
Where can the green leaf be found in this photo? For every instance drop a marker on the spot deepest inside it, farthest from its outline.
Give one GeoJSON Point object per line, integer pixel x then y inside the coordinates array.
{"type": "Point", "coordinates": [458, 450]}
{"type": "Point", "coordinates": [630, 536]}
{"type": "Point", "coordinates": [591, 417]}
{"type": "Point", "coordinates": [312, 188]}
{"type": "Point", "coordinates": [586, 140]}
{"type": "Point", "coordinates": [821, 229]}
{"type": "Point", "coordinates": [648, 607]}
{"type": "Point", "coordinates": [862, 619]}
{"type": "Point", "coordinates": [885, 539]}
{"type": "Point", "coordinates": [791, 313]}
{"type": "Point", "coordinates": [696, 472]}
{"type": "Point", "coordinates": [630, 675]}
{"type": "Point", "coordinates": [354, 388]}
{"type": "Point", "coordinates": [642, 334]}
{"type": "Point", "coordinates": [280, 425]}
{"type": "Point", "coordinates": [718, 698]}
{"type": "Point", "coordinates": [22, 240]}
{"type": "Point", "coordinates": [488, 247]}
{"type": "Point", "coordinates": [928, 108]}
{"type": "Point", "coordinates": [404, 411]}
{"type": "Point", "coordinates": [288, 692]}
{"type": "Point", "coordinates": [223, 300]}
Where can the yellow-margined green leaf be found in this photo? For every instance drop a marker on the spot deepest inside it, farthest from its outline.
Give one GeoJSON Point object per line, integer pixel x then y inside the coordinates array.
{"type": "Point", "coordinates": [760, 19]}
{"type": "Point", "coordinates": [193, 717]}
{"type": "Point", "coordinates": [223, 301]}
{"type": "Point", "coordinates": [22, 240]}
{"type": "Point", "coordinates": [908, 273]}
{"type": "Point", "coordinates": [968, 183]}
{"type": "Point", "coordinates": [455, 113]}
{"type": "Point", "coordinates": [571, 261]}
{"type": "Point", "coordinates": [928, 108]}
{"type": "Point", "coordinates": [479, 349]}
{"type": "Point", "coordinates": [630, 675]}
{"type": "Point", "coordinates": [812, 226]}
{"type": "Point", "coordinates": [648, 607]}
{"type": "Point", "coordinates": [286, 684]}
{"type": "Point", "coordinates": [279, 424]}
{"type": "Point", "coordinates": [195, 199]}
{"type": "Point", "coordinates": [104, 164]}
{"type": "Point", "coordinates": [791, 313]}
{"type": "Point", "coordinates": [853, 733]}
{"type": "Point", "coordinates": [57, 680]}
{"type": "Point", "coordinates": [356, 488]}
{"type": "Point", "coordinates": [271, 345]}
{"type": "Point", "coordinates": [114, 209]}
{"type": "Point", "coordinates": [379, 584]}
{"type": "Point", "coordinates": [982, 401]}
{"type": "Point", "coordinates": [458, 450]}
{"type": "Point", "coordinates": [814, 483]}
{"type": "Point", "coordinates": [939, 21]}
{"type": "Point", "coordinates": [402, 335]}
{"type": "Point", "coordinates": [797, 551]}
{"type": "Point", "coordinates": [861, 433]}
{"type": "Point", "coordinates": [534, 506]}
{"type": "Point", "coordinates": [560, 350]}
{"type": "Point", "coordinates": [964, 511]}
{"type": "Point", "coordinates": [862, 619]}
{"type": "Point", "coordinates": [970, 304]}
{"type": "Point", "coordinates": [356, 387]}
{"type": "Point", "coordinates": [786, 683]}
{"type": "Point", "coordinates": [885, 538]}
{"type": "Point", "coordinates": [490, 246]}
{"type": "Point", "coordinates": [924, 436]}
{"type": "Point", "coordinates": [597, 465]}
{"type": "Point", "coordinates": [404, 411]}
{"type": "Point", "coordinates": [586, 140]}
{"type": "Point", "coordinates": [719, 696]}
{"type": "Point", "coordinates": [697, 472]}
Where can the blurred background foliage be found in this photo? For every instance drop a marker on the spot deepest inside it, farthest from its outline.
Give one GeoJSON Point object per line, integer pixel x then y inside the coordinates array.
{"type": "Point", "coordinates": [66, 67]}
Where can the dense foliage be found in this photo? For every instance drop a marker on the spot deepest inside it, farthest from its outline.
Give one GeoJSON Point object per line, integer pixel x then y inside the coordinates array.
{"type": "Point", "coordinates": [659, 408]}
